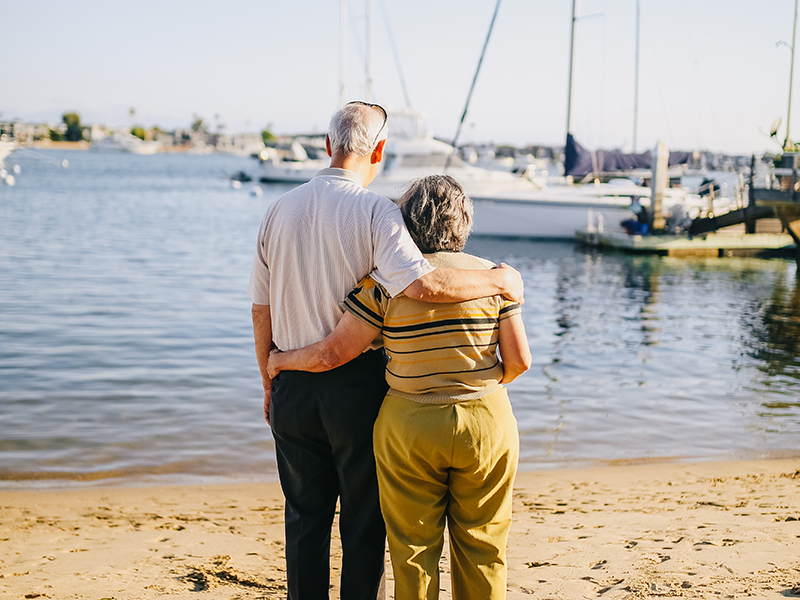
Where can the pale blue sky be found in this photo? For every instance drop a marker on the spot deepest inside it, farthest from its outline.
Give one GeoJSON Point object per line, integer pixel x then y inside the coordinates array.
{"type": "Point", "coordinates": [711, 74]}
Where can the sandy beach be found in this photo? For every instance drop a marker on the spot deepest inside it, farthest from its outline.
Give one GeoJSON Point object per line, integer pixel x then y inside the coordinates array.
{"type": "Point", "coordinates": [706, 530]}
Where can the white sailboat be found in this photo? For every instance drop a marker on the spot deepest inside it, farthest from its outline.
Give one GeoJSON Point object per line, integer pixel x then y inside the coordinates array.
{"type": "Point", "coordinates": [557, 211]}
{"type": "Point", "coordinates": [506, 204]}
{"type": "Point", "coordinates": [512, 206]}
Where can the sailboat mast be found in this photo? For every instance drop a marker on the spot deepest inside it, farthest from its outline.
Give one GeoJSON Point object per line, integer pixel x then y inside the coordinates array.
{"type": "Point", "coordinates": [368, 61]}
{"type": "Point", "coordinates": [342, 50]}
{"type": "Point", "coordinates": [571, 61]}
{"type": "Point", "coordinates": [472, 87]}
{"type": "Point", "coordinates": [636, 83]}
{"type": "Point", "coordinates": [387, 23]}
{"type": "Point", "coordinates": [791, 76]}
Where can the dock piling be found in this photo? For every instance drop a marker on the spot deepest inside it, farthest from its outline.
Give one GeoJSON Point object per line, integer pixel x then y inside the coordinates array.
{"type": "Point", "coordinates": [660, 162]}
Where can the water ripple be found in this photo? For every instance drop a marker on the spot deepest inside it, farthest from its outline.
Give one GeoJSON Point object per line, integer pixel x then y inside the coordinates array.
{"type": "Point", "coordinates": [126, 346]}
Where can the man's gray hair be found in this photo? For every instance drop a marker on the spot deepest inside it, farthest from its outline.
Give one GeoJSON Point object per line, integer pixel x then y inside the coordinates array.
{"type": "Point", "coordinates": [354, 128]}
{"type": "Point", "coordinates": [438, 214]}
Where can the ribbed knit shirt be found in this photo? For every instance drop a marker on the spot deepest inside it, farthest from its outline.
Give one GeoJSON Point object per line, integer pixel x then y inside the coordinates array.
{"type": "Point", "coordinates": [438, 353]}
{"type": "Point", "coordinates": [316, 242]}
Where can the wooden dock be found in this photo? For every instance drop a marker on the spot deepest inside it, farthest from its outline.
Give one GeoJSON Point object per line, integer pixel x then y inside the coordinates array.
{"type": "Point", "coordinates": [768, 226]}
{"type": "Point", "coordinates": [707, 245]}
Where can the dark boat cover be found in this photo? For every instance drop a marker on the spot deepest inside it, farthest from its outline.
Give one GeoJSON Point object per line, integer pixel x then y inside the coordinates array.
{"type": "Point", "coordinates": [579, 162]}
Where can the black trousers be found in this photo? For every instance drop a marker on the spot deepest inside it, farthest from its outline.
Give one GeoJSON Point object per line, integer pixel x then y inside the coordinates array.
{"type": "Point", "coordinates": [322, 425]}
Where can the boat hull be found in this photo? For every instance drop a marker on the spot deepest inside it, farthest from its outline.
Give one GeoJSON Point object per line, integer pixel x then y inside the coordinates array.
{"type": "Point", "coordinates": [542, 219]}
{"type": "Point", "coordinates": [290, 172]}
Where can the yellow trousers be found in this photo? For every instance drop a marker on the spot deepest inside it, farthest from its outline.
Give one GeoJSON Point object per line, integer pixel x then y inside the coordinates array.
{"type": "Point", "coordinates": [452, 463]}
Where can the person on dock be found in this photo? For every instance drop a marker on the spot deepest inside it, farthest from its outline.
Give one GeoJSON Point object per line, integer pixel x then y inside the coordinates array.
{"type": "Point", "coordinates": [446, 441]}
{"type": "Point", "coordinates": [640, 224]}
{"type": "Point", "coordinates": [316, 242]}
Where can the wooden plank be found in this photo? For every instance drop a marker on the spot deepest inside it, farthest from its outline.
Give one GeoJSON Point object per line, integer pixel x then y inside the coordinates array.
{"type": "Point", "coordinates": [763, 195]}
{"type": "Point", "coordinates": [734, 217]}
{"type": "Point", "coordinates": [693, 252]}
{"type": "Point", "coordinates": [668, 244]}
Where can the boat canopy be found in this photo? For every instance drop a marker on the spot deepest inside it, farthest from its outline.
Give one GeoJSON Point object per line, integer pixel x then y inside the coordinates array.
{"type": "Point", "coordinates": [580, 162]}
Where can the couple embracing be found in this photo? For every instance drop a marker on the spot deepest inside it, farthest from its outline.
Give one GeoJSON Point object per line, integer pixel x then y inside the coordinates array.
{"type": "Point", "coordinates": [382, 382]}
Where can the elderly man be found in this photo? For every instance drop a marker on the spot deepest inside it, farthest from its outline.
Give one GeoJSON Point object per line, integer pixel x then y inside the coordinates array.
{"type": "Point", "coordinates": [315, 243]}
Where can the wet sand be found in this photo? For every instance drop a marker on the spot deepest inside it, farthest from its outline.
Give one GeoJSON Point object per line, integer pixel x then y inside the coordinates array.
{"type": "Point", "coordinates": [707, 530]}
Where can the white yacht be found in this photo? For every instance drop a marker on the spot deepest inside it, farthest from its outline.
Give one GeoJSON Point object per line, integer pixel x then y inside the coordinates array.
{"type": "Point", "coordinates": [291, 162]}
{"type": "Point", "coordinates": [411, 152]}
{"type": "Point", "coordinates": [558, 211]}
{"type": "Point", "coordinates": [510, 205]}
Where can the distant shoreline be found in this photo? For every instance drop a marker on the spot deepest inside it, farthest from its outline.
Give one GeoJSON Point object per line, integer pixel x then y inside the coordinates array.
{"type": "Point", "coordinates": [51, 145]}
{"type": "Point", "coordinates": [86, 145]}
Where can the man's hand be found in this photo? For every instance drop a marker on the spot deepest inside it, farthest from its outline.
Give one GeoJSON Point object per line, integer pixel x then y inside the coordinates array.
{"type": "Point", "coordinates": [515, 289]}
{"type": "Point", "coordinates": [268, 407]}
{"type": "Point", "coordinates": [262, 333]}
{"type": "Point", "coordinates": [274, 364]}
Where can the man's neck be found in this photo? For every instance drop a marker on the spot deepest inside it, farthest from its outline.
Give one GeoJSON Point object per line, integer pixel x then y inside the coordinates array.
{"type": "Point", "coordinates": [360, 165]}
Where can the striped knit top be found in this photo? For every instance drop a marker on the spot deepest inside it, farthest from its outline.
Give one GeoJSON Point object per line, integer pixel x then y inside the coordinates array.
{"type": "Point", "coordinates": [438, 353]}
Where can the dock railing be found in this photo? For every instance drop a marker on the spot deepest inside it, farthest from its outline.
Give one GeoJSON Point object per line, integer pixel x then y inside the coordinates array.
{"type": "Point", "coordinates": [753, 211]}
{"type": "Point", "coordinates": [787, 177]}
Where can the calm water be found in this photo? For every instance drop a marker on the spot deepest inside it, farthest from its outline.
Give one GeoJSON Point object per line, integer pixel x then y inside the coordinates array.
{"type": "Point", "coordinates": [126, 350]}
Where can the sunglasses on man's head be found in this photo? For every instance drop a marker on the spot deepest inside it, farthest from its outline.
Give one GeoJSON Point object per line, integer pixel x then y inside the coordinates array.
{"type": "Point", "coordinates": [377, 107]}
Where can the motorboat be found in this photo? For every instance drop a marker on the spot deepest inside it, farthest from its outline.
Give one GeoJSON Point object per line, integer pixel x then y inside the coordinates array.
{"type": "Point", "coordinates": [125, 142]}
{"type": "Point", "coordinates": [240, 144]}
{"type": "Point", "coordinates": [291, 162]}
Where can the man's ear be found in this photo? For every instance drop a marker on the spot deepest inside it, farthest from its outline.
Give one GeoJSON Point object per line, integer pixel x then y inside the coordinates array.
{"type": "Point", "coordinates": [377, 154]}
{"type": "Point", "coordinates": [328, 146]}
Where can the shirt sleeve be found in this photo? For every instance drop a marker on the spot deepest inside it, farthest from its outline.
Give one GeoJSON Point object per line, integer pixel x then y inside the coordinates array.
{"type": "Point", "coordinates": [509, 309]}
{"type": "Point", "coordinates": [258, 288]}
{"type": "Point", "coordinates": [398, 261]}
{"type": "Point", "coordinates": [367, 302]}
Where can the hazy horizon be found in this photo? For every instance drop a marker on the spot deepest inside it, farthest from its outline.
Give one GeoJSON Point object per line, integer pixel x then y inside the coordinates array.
{"type": "Point", "coordinates": [711, 75]}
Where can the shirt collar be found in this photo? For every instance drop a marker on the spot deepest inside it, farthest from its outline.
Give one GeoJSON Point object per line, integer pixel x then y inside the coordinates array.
{"type": "Point", "coordinates": [337, 172]}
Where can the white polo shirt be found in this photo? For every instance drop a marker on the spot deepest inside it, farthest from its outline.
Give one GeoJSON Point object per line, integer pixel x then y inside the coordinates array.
{"type": "Point", "coordinates": [316, 243]}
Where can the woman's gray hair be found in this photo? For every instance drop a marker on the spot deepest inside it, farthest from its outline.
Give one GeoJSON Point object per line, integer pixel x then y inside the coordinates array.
{"type": "Point", "coordinates": [354, 128]}
{"type": "Point", "coordinates": [438, 214]}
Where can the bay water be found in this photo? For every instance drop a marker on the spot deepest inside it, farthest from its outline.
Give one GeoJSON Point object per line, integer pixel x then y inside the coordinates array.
{"type": "Point", "coordinates": [126, 352]}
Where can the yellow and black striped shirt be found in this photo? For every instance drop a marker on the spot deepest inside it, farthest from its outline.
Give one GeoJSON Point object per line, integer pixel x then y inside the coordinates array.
{"type": "Point", "coordinates": [438, 353]}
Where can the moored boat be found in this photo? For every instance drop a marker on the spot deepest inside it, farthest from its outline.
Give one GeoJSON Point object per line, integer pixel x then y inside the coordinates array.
{"type": "Point", "coordinates": [291, 162]}
{"type": "Point", "coordinates": [125, 142]}
{"type": "Point", "coordinates": [7, 146]}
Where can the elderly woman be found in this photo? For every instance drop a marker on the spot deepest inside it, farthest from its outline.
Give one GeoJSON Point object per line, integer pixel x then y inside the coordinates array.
{"type": "Point", "coordinates": [446, 443]}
